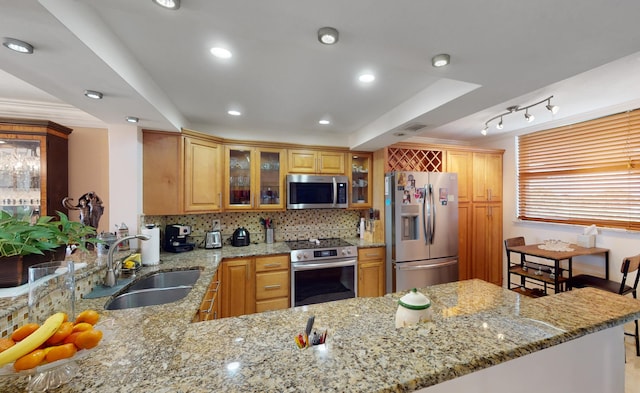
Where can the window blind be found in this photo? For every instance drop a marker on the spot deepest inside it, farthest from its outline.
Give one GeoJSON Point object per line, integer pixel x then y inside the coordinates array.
{"type": "Point", "coordinates": [585, 173]}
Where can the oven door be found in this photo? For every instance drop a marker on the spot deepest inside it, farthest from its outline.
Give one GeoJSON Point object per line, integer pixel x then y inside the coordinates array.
{"type": "Point", "coordinates": [325, 281]}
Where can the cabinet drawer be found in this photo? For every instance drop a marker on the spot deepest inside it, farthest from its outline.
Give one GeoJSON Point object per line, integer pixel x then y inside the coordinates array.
{"type": "Point", "coordinates": [280, 303]}
{"type": "Point", "coordinates": [272, 284]}
{"type": "Point", "coordinates": [367, 254]}
{"type": "Point", "coordinates": [276, 262]}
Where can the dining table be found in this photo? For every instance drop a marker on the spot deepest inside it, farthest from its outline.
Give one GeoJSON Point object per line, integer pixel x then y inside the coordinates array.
{"type": "Point", "coordinates": [555, 255]}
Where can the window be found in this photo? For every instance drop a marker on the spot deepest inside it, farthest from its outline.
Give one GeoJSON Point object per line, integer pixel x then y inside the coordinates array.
{"type": "Point", "coordinates": [585, 173]}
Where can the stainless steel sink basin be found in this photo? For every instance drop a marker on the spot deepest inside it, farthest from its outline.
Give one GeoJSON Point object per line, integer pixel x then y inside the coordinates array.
{"type": "Point", "coordinates": [167, 279]}
{"type": "Point", "coordinates": [154, 289]}
{"type": "Point", "coordinates": [147, 297]}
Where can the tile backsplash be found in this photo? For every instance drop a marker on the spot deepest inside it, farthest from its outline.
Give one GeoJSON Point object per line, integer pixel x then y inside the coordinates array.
{"type": "Point", "coordinates": [288, 225]}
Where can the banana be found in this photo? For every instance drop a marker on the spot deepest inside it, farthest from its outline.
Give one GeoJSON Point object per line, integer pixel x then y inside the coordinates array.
{"type": "Point", "coordinates": [32, 341]}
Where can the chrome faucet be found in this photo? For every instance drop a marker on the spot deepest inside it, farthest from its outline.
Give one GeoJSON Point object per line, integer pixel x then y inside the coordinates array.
{"type": "Point", "coordinates": [111, 277]}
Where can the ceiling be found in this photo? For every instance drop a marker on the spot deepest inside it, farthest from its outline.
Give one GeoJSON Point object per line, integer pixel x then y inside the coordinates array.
{"type": "Point", "coordinates": [155, 64]}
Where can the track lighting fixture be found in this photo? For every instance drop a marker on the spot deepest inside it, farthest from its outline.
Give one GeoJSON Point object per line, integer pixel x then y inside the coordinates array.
{"type": "Point", "coordinates": [515, 108]}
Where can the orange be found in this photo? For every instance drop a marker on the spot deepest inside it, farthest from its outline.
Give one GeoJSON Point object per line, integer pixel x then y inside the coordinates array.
{"type": "Point", "coordinates": [88, 339]}
{"type": "Point", "coordinates": [29, 360]}
{"type": "Point", "coordinates": [60, 352]}
{"type": "Point", "coordinates": [6, 343]}
{"type": "Point", "coordinates": [71, 338]}
{"type": "Point", "coordinates": [89, 316]}
{"type": "Point", "coordinates": [24, 331]}
{"type": "Point", "coordinates": [63, 331]}
{"type": "Point", "coordinates": [82, 326]}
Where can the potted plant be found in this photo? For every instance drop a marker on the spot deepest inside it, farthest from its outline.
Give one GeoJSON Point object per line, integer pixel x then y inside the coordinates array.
{"type": "Point", "coordinates": [23, 244]}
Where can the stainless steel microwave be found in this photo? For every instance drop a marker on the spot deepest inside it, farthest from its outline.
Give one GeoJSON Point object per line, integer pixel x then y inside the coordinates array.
{"type": "Point", "coordinates": [317, 192]}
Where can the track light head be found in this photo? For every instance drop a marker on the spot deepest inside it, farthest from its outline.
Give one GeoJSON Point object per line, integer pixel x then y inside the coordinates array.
{"type": "Point", "coordinates": [500, 125]}
{"type": "Point", "coordinates": [528, 117]}
{"type": "Point", "coordinates": [485, 129]}
{"type": "Point", "coordinates": [552, 108]}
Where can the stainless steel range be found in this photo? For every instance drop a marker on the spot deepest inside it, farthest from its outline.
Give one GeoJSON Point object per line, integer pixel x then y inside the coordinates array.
{"type": "Point", "coordinates": [322, 270]}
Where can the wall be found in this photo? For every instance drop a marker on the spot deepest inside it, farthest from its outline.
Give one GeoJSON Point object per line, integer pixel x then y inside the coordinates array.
{"type": "Point", "coordinates": [621, 243]}
{"type": "Point", "coordinates": [89, 169]}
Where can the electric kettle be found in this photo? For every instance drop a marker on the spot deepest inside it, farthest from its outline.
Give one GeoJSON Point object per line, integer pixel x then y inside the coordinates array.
{"type": "Point", "coordinates": [213, 239]}
{"type": "Point", "coordinates": [240, 237]}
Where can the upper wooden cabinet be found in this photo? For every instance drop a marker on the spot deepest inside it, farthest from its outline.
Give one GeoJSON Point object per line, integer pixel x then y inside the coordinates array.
{"type": "Point", "coordinates": [460, 162]}
{"type": "Point", "coordinates": [487, 177]}
{"type": "Point", "coordinates": [36, 155]}
{"type": "Point", "coordinates": [313, 161]}
{"type": "Point", "coordinates": [361, 180]}
{"type": "Point", "coordinates": [181, 173]}
{"type": "Point", "coordinates": [254, 178]}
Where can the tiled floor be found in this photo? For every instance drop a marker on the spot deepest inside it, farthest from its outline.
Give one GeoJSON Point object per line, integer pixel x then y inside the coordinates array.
{"type": "Point", "coordinates": [632, 367]}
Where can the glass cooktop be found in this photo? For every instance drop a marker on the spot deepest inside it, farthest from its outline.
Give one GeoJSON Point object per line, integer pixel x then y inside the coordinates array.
{"type": "Point", "coordinates": [307, 244]}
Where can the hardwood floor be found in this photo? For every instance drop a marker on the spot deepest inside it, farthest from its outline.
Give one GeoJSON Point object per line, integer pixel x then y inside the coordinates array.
{"type": "Point", "coordinates": [632, 366]}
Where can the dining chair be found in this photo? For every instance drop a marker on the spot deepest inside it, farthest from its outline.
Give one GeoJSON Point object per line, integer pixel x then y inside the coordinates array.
{"type": "Point", "coordinates": [629, 265]}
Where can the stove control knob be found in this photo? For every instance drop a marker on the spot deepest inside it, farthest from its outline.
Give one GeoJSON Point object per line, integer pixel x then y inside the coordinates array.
{"type": "Point", "coordinates": [299, 256]}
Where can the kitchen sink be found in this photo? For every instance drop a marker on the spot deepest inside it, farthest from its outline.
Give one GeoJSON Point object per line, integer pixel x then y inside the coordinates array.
{"type": "Point", "coordinates": [147, 297]}
{"type": "Point", "coordinates": [167, 279]}
{"type": "Point", "coordinates": [154, 289]}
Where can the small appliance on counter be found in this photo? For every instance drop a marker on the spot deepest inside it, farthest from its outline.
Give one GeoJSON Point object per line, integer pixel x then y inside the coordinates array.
{"type": "Point", "coordinates": [175, 238]}
{"type": "Point", "coordinates": [240, 237]}
{"type": "Point", "coordinates": [213, 239]}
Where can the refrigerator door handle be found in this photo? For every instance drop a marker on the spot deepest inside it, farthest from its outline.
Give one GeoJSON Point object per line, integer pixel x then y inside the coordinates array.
{"type": "Point", "coordinates": [426, 226]}
{"type": "Point", "coordinates": [433, 214]}
{"type": "Point", "coordinates": [426, 266]}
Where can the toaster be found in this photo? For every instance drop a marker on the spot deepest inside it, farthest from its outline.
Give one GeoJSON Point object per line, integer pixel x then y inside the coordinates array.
{"type": "Point", "coordinates": [213, 239]}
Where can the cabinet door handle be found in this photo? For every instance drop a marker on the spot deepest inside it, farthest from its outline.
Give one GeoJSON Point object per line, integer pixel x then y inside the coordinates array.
{"type": "Point", "coordinates": [219, 199]}
{"type": "Point", "coordinates": [489, 193]}
{"type": "Point", "coordinates": [276, 286]}
{"type": "Point", "coordinates": [371, 255]}
{"type": "Point", "coordinates": [272, 265]}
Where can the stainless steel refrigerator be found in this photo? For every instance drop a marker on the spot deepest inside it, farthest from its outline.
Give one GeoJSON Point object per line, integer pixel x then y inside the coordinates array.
{"type": "Point", "coordinates": [421, 216]}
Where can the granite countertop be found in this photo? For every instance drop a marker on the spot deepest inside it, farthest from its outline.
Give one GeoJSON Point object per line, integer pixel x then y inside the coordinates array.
{"type": "Point", "coordinates": [475, 325]}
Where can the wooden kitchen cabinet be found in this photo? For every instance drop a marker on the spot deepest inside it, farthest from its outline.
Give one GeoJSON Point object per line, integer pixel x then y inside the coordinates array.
{"type": "Point", "coordinates": [202, 192]}
{"type": "Point", "coordinates": [314, 161]}
{"type": "Point", "coordinates": [34, 179]}
{"type": "Point", "coordinates": [237, 287]}
{"type": "Point", "coordinates": [461, 162]}
{"type": "Point", "coordinates": [486, 248]}
{"type": "Point", "coordinates": [254, 178]}
{"type": "Point", "coordinates": [181, 173]}
{"type": "Point", "coordinates": [371, 272]}
{"type": "Point", "coordinates": [361, 179]}
{"type": "Point", "coordinates": [210, 307]}
{"type": "Point", "coordinates": [487, 177]}
{"type": "Point", "coordinates": [272, 282]}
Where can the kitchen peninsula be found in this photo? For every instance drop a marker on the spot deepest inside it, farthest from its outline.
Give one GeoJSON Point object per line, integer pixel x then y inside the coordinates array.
{"type": "Point", "coordinates": [476, 325]}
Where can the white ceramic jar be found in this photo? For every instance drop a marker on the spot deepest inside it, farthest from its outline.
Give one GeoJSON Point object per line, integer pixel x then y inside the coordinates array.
{"type": "Point", "coordinates": [412, 308]}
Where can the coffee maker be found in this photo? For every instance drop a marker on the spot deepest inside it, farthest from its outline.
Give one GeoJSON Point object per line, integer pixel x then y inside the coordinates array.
{"type": "Point", "coordinates": [175, 238]}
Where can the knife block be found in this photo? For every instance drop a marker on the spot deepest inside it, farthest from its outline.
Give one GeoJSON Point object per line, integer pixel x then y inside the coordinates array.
{"type": "Point", "coordinates": [374, 231]}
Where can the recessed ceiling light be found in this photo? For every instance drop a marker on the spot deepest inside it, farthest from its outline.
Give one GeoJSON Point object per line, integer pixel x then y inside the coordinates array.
{"type": "Point", "coordinates": [234, 113]}
{"type": "Point", "coordinates": [328, 35]}
{"type": "Point", "coordinates": [96, 95]}
{"type": "Point", "coordinates": [168, 4]}
{"type": "Point", "coordinates": [17, 45]}
{"type": "Point", "coordinates": [367, 78]}
{"type": "Point", "coordinates": [324, 122]}
{"type": "Point", "coordinates": [221, 53]}
{"type": "Point", "coordinates": [440, 60]}
{"type": "Point", "coordinates": [132, 119]}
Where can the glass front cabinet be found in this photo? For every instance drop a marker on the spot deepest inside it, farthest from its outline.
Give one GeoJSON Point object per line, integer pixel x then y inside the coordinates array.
{"type": "Point", "coordinates": [34, 162]}
{"type": "Point", "coordinates": [360, 178]}
{"type": "Point", "coordinates": [254, 178]}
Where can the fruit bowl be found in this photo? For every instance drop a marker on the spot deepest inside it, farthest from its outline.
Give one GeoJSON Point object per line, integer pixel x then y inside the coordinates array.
{"type": "Point", "coordinates": [52, 375]}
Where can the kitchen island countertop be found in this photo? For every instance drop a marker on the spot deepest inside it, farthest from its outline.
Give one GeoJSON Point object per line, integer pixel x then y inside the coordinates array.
{"type": "Point", "coordinates": [475, 325]}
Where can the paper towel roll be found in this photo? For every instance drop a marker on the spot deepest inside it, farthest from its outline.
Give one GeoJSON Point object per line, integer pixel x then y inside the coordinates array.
{"type": "Point", "coordinates": [150, 249]}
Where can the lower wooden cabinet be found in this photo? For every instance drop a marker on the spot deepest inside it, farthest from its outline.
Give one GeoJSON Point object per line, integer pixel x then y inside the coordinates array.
{"type": "Point", "coordinates": [272, 282]}
{"type": "Point", "coordinates": [237, 287]}
{"type": "Point", "coordinates": [210, 306]}
{"type": "Point", "coordinates": [371, 272]}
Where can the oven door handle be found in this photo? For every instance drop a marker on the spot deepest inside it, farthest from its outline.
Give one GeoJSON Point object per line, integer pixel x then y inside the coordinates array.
{"type": "Point", "coordinates": [326, 265]}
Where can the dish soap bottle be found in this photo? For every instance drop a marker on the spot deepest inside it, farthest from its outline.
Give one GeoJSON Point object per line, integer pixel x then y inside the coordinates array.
{"type": "Point", "coordinates": [123, 231]}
